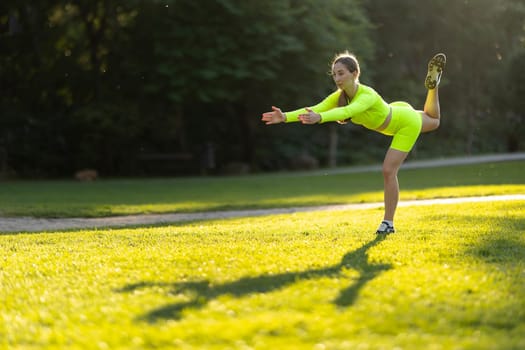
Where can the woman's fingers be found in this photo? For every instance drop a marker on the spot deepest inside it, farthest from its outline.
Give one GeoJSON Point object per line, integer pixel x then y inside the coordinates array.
{"type": "Point", "coordinates": [273, 117]}
{"type": "Point", "coordinates": [305, 117]}
{"type": "Point", "coordinates": [309, 118]}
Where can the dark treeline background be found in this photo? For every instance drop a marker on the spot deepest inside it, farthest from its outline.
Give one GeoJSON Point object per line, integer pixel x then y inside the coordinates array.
{"type": "Point", "coordinates": [176, 87]}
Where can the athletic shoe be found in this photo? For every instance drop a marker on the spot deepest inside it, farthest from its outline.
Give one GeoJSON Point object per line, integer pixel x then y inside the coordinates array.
{"type": "Point", "coordinates": [385, 228]}
{"type": "Point", "coordinates": [435, 69]}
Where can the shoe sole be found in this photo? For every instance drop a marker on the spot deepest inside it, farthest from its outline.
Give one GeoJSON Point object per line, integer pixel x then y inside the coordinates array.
{"type": "Point", "coordinates": [385, 232]}
{"type": "Point", "coordinates": [435, 69]}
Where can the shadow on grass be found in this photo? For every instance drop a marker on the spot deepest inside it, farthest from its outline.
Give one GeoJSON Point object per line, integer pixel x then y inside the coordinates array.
{"type": "Point", "coordinates": [503, 242]}
{"type": "Point", "coordinates": [498, 238]}
{"type": "Point", "coordinates": [203, 291]}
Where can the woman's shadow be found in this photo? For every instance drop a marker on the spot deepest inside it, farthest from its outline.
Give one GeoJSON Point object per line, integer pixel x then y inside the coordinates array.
{"type": "Point", "coordinates": [204, 291]}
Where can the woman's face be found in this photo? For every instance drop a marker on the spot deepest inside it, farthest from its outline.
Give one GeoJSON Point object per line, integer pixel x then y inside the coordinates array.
{"type": "Point", "coordinates": [342, 76]}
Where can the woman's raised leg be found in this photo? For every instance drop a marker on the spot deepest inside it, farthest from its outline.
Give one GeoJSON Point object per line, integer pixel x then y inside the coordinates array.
{"type": "Point", "coordinates": [431, 113]}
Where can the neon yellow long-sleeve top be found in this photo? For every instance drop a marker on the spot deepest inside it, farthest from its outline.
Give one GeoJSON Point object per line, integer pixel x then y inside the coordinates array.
{"type": "Point", "coordinates": [367, 108]}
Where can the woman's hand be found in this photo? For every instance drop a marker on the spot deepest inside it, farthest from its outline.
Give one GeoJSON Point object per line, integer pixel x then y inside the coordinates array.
{"type": "Point", "coordinates": [310, 118]}
{"type": "Point", "coordinates": [276, 116]}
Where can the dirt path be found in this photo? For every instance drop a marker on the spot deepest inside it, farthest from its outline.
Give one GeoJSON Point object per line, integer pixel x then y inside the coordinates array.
{"type": "Point", "coordinates": [27, 224]}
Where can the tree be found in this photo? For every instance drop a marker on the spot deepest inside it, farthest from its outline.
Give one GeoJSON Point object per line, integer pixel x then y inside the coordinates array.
{"type": "Point", "coordinates": [253, 56]}
{"type": "Point", "coordinates": [98, 83]}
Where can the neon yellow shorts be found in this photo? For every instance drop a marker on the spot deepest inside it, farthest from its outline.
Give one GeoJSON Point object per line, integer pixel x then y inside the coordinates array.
{"type": "Point", "coordinates": [405, 126]}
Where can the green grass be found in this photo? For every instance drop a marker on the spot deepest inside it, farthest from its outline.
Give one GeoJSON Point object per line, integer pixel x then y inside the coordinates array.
{"type": "Point", "coordinates": [120, 197]}
{"type": "Point", "coordinates": [452, 277]}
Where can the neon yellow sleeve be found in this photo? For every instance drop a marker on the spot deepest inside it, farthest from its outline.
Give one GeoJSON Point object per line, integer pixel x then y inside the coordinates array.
{"type": "Point", "coordinates": [327, 104]}
{"type": "Point", "coordinates": [362, 101]}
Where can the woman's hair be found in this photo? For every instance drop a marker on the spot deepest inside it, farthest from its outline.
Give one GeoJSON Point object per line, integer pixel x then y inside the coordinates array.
{"type": "Point", "coordinates": [352, 64]}
{"type": "Point", "coordinates": [349, 60]}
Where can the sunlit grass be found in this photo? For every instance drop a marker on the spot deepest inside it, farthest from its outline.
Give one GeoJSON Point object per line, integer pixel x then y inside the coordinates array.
{"type": "Point", "coordinates": [135, 196]}
{"type": "Point", "coordinates": [450, 278]}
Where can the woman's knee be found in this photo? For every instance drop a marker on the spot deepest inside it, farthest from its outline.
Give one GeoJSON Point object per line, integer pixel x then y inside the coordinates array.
{"type": "Point", "coordinates": [429, 123]}
{"type": "Point", "coordinates": [393, 160]}
{"type": "Point", "coordinates": [435, 123]}
{"type": "Point", "coordinates": [389, 171]}
{"type": "Point", "coordinates": [392, 163]}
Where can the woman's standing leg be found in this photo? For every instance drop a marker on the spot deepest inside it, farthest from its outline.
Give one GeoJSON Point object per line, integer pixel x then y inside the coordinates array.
{"type": "Point", "coordinates": [391, 165]}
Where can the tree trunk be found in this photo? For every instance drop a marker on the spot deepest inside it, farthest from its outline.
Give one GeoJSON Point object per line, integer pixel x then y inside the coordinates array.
{"type": "Point", "coordinates": [95, 19]}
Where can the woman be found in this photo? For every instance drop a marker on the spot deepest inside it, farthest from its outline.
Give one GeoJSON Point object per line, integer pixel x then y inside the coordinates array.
{"type": "Point", "coordinates": [364, 106]}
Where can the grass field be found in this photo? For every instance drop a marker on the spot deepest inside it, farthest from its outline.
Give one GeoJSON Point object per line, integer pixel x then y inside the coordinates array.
{"type": "Point", "coordinates": [451, 277]}
{"type": "Point", "coordinates": [135, 196]}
